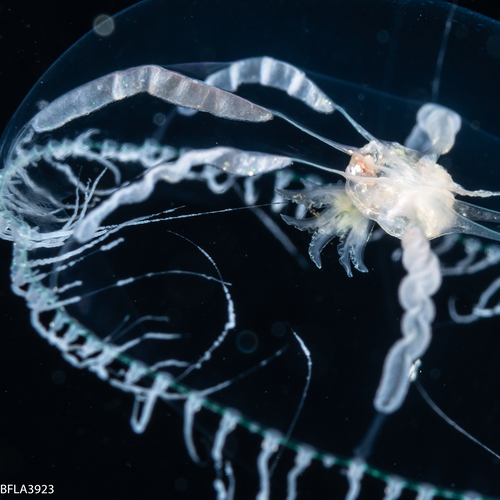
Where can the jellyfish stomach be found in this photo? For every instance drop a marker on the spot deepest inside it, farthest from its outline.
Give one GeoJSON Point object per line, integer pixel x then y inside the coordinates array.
{"type": "Point", "coordinates": [398, 188]}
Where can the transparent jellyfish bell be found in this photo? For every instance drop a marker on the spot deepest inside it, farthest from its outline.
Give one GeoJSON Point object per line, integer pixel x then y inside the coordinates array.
{"type": "Point", "coordinates": [381, 77]}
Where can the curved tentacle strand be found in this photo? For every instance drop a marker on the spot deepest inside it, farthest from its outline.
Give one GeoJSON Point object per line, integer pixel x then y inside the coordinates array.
{"type": "Point", "coordinates": [229, 160]}
{"type": "Point", "coordinates": [415, 291]}
{"type": "Point", "coordinates": [271, 72]}
{"type": "Point", "coordinates": [158, 82]}
{"type": "Point", "coordinates": [435, 131]}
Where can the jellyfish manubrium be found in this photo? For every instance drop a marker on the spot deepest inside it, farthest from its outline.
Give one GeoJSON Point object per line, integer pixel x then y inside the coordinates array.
{"type": "Point", "coordinates": [145, 257]}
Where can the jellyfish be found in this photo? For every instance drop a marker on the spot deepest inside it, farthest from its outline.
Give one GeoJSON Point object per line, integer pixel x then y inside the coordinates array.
{"type": "Point", "coordinates": [145, 198]}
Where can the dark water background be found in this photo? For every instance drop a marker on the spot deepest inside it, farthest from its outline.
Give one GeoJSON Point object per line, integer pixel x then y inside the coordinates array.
{"type": "Point", "coordinates": [62, 426]}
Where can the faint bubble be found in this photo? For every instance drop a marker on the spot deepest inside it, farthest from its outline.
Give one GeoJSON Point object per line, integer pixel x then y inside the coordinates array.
{"type": "Point", "coordinates": [180, 484]}
{"type": "Point", "coordinates": [435, 373]}
{"type": "Point", "coordinates": [493, 45]}
{"type": "Point", "coordinates": [103, 25]}
{"type": "Point", "coordinates": [383, 36]}
{"type": "Point", "coordinates": [159, 119]}
{"type": "Point", "coordinates": [58, 377]}
{"type": "Point", "coordinates": [278, 329]}
{"type": "Point", "coordinates": [475, 125]}
{"type": "Point", "coordinates": [247, 341]}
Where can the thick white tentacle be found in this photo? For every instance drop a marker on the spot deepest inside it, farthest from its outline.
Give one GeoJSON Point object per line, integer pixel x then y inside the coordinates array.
{"type": "Point", "coordinates": [415, 291]}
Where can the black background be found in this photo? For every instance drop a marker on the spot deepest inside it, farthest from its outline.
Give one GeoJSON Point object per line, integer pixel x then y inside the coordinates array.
{"type": "Point", "coordinates": [59, 425]}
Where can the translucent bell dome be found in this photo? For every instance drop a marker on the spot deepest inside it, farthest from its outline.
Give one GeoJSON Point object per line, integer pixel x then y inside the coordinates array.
{"type": "Point", "coordinates": [152, 184]}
